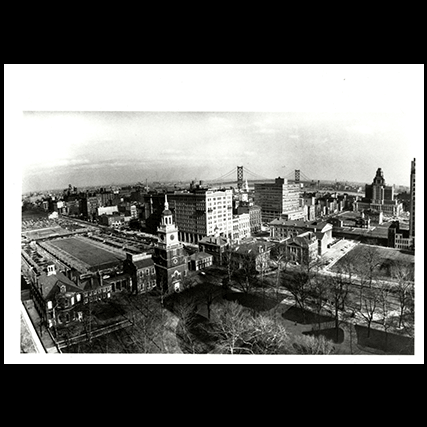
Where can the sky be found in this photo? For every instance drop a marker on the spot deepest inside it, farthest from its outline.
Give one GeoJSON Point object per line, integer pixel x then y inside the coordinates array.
{"type": "Point", "coordinates": [115, 124]}
{"type": "Point", "coordinates": [102, 148]}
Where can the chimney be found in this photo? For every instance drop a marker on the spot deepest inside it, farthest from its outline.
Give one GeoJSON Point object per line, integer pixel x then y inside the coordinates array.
{"type": "Point", "coordinates": [51, 269]}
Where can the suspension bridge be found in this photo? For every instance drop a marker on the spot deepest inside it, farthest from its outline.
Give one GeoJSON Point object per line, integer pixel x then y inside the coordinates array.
{"type": "Point", "coordinates": [239, 175]}
{"type": "Point", "coordinates": [242, 173]}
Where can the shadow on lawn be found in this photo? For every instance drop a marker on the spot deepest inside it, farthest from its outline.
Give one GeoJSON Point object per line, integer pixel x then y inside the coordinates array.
{"type": "Point", "coordinates": [388, 342]}
{"type": "Point", "coordinates": [329, 334]}
{"type": "Point", "coordinates": [255, 302]}
{"type": "Point", "coordinates": [304, 317]}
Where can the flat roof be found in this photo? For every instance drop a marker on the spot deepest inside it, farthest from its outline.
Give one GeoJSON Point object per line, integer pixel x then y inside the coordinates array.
{"type": "Point", "coordinates": [86, 252]}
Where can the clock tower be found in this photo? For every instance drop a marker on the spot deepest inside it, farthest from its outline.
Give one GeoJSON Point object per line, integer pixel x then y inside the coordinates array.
{"type": "Point", "coordinates": [169, 257]}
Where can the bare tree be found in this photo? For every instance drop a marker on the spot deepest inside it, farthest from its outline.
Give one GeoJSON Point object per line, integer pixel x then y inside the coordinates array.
{"type": "Point", "coordinates": [404, 290]}
{"type": "Point", "coordinates": [369, 304]}
{"type": "Point", "coordinates": [279, 254]}
{"type": "Point", "coordinates": [268, 336]}
{"type": "Point", "coordinates": [385, 305]}
{"type": "Point", "coordinates": [306, 344]}
{"type": "Point", "coordinates": [303, 281]}
{"type": "Point", "coordinates": [227, 262]}
{"type": "Point", "coordinates": [246, 274]}
{"type": "Point", "coordinates": [185, 310]}
{"type": "Point", "coordinates": [231, 328]}
{"type": "Point", "coordinates": [337, 295]}
{"type": "Point", "coordinates": [368, 270]}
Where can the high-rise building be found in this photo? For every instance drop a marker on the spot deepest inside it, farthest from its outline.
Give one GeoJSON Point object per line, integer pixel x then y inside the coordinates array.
{"type": "Point", "coordinates": [278, 198]}
{"type": "Point", "coordinates": [379, 197]}
{"type": "Point", "coordinates": [198, 213]}
{"type": "Point", "coordinates": [412, 203]}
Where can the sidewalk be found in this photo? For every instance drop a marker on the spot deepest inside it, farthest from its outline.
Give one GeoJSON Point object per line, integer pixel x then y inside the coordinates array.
{"type": "Point", "coordinates": [43, 336]}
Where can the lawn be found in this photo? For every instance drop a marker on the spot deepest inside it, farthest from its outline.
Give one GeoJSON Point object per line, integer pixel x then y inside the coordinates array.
{"type": "Point", "coordinates": [329, 334]}
{"type": "Point", "coordinates": [304, 317]}
{"type": "Point", "coordinates": [389, 343]}
{"type": "Point", "coordinates": [255, 302]}
{"type": "Point", "coordinates": [388, 257]}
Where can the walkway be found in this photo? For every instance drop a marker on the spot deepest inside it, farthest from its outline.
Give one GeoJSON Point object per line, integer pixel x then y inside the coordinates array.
{"type": "Point", "coordinates": [42, 334]}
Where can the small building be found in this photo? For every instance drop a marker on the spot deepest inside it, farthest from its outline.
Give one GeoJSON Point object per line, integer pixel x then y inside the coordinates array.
{"type": "Point", "coordinates": [257, 252]}
{"type": "Point", "coordinates": [142, 272]}
{"type": "Point", "coordinates": [241, 227]}
{"type": "Point", "coordinates": [57, 299]}
{"type": "Point", "coordinates": [199, 261]}
{"type": "Point", "coordinates": [303, 248]}
{"type": "Point", "coordinates": [107, 210]}
{"type": "Point", "coordinates": [254, 212]}
{"type": "Point", "coordinates": [94, 288]}
{"type": "Point", "coordinates": [215, 246]}
{"type": "Point", "coordinates": [295, 215]}
{"type": "Point", "coordinates": [399, 238]}
{"type": "Point", "coordinates": [112, 220]}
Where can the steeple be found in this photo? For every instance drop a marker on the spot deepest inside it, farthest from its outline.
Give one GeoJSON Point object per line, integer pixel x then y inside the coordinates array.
{"type": "Point", "coordinates": [166, 203]}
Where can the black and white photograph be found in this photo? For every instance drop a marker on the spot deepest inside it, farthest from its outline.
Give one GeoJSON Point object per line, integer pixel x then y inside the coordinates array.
{"type": "Point", "coordinates": [204, 214]}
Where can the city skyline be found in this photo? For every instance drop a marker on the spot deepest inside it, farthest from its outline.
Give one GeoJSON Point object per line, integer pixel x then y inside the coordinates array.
{"type": "Point", "coordinates": [100, 148]}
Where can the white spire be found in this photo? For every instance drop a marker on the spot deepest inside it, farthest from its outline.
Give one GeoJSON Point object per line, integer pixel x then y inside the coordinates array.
{"type": "Point", "coordinates": [166, 202]}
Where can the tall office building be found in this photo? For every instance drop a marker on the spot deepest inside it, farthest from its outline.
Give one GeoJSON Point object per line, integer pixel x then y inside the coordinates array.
{"type": "Point", "coordinates": [412, 203]}
{"type": "Point", "coordinates": [202, 212]}
{"type": "Point", "coordinates": [277, 199]}
{"type": "Point", "coordinates": [379, 197]}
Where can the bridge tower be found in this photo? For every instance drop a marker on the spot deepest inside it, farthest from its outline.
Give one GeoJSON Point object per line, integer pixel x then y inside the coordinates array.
{"type": "Point", "coordinates": [297, 176]}
{"type": "Point", "coordinates": [239, 177]}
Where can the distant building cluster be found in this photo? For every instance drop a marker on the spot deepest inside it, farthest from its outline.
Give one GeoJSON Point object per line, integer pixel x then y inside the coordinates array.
{"type": "Point", "coordinates": [92, 245]}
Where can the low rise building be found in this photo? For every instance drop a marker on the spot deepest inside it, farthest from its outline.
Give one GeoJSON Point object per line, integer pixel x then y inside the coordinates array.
{"type": "Point", "coordinates": [215, 246]}
{"type": "Point", "coordinates": [241, 227]}
{"type": "Point", "coordinates": [141, 269]}
{"type": "Point", "coordinates": [295, 215]}
{"type": "Point", "coordinates": [57, 299]}
{"type": "Point", "coordinates": [399, 238]}
{"type": "Point", "coordinates": [303, 248]}
{"type": "Point", "coordinates": [257, 253]}
{"type": "Point", "coordinates": [280, 230]}
{"type": "Point", "coordinates": [199, 261]}
{"type": "Point", "coordinates": [107, 210]}
{"type": "Point", "coordinates": [255, 218]}
{"type": "Point", "coordinates": [114, 221]}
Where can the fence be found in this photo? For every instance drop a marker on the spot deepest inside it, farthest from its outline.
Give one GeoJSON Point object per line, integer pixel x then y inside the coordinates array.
{"type": "Point", "coordinates": [94, 334]}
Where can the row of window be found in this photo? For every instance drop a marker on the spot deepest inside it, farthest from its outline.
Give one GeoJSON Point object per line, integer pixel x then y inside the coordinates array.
{"type": "Point", "coordinates": [146, 272]}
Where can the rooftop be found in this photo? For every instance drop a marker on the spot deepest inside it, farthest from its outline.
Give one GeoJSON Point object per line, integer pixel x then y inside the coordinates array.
{"type": "Point", "coordinates": [200, 255]}
{"type": "Point", "coordinates": [251, 247]}
{"type": "Point", "coordinates": [50, 285]}
{"type": "Point", "coordinates": [218, 240]}
{"type": "Point", "coordinates": [318, 225]}
{"type": "Point", "coordinates": [88, 253]}
{"type": "Point", "coordinates": [144, 263]}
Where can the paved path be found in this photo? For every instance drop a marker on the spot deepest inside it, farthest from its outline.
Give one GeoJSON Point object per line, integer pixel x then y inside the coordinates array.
{"type": "Point", "coordinates": [36, 345]}
{"type": "Point", "coordinates": [43, 336]}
